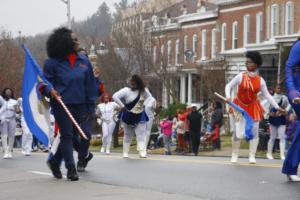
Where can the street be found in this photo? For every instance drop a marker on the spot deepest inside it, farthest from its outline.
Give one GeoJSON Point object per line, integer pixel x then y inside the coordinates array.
{"type": "Point", "coordinates": [157, 177]}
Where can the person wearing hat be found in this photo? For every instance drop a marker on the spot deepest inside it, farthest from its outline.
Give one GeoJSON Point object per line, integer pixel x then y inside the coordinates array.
{"type": "Point", "coordinates": [195, 119]}
{"type": "Point", "coordinates": [249, 83]}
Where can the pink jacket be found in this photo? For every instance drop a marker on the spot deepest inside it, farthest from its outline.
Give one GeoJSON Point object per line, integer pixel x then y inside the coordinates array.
{"type": "Point", "coordinates": [166, 127]}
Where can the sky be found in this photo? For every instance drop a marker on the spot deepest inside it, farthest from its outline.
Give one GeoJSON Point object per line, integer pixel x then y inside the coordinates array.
{"type": "Point", "coordinates": [38, 16]}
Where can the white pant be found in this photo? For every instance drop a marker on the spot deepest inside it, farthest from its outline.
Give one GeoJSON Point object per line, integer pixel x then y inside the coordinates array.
{"type": "Point", "coordinates": [107, 130]}
{"type": "Point", "coordinates": [275, 132]}
{"type": "Point", "coordinates": [139, 131]}
{"type": "Point", "coordinates": [236, 141]}
{"type": "Point", "coordinates": [26, 138]}
{"type": "Point", "coordinates": [8, 130]}
{"type": "Point", "coordinates": [148, 131]}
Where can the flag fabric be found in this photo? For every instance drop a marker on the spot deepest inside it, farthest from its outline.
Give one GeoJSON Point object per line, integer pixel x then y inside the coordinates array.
{"type": "Point", "coordinates": [35, 108]}
{"type": "Point", "coordinates": [248, 121]}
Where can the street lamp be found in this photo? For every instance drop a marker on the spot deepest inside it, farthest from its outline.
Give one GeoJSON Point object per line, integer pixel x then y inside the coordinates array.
{"type": "Point", "coordinates": [67, 2]}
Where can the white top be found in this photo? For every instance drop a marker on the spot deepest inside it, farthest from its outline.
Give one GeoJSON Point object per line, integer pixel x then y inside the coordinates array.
{"type": "Point", "coordinates": [8, 109]}
{"type": "Point", "coordinates": [107, 110]}
{"type": "Point", "coordinates": [126, 95]}
{"type": "Point", "coordinates": [1, 101]}
{"type": "Point", "coordinates": [263, 88]}
{"type": "Point", "coordinates": [285, 102]}
{"type": "Point", "coordinates": [150, 105]}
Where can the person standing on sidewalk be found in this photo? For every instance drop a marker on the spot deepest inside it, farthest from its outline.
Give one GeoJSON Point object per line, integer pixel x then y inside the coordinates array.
{"type": "Point", "coordinates": [195, 119]}
{"type": "Point", "coordinates": [166, 129]}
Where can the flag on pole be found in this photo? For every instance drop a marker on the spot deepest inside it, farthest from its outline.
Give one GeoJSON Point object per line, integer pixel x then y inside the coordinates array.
{"type": "Point", "coordinates": [248, 119]}
{"type": "Point", "coordinates": [35, 107]}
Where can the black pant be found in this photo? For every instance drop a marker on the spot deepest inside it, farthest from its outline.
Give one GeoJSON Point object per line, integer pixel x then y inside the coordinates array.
{"type": "Point", "coordinates": [195, 135]}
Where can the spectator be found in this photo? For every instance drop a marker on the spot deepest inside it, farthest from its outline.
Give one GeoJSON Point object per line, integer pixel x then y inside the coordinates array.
{"type": "Point", "coordinates": [216, 123]}
{"type": "Point", "coordinates": [166, 129]}
{"type": "Point", "coordinates": [195, 119]}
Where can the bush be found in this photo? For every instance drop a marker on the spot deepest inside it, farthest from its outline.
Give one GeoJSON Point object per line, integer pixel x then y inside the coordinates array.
{"type": "Point", "coordinates": [172, 110]}
{"type": "Point", "coordinates": [95, 142]}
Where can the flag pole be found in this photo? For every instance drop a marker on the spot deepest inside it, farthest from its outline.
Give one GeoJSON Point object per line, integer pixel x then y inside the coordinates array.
{"type": "Point", "coordinates": [81, 133]}
{"type": "Point", "coordinates": [221, 97]}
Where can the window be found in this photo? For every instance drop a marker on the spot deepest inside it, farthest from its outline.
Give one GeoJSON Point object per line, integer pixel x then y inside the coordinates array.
{"type": "Point", "coordinates": [185, 46]}
{"type": "Point", "coordinates": [213, 43]}
{"type": "Point", "coordinates": [274, 20]}
{"type": "Point", "coordinates": [234, 35]}
{"type": "Point", "coordinates": [224, 36]}
{"type": "Point", "coordinates": [259, 27]}
{"type": "Point", "coordinates": [169, 52]}
{"type": "Point", "coordinates": [203, 54]}
{"type": "Point", "coordinates": [289, 18]}
{"type": "Point", "coordinates": [154, 55]}
{"type": "Point", "coordinates": [162, 52]}
{"type": "Point", "coordinates": [246, 29]}
{"type": "Point", "coordinates": [177, 52]}
{"type": "Point", "coordinates": [195, 44]}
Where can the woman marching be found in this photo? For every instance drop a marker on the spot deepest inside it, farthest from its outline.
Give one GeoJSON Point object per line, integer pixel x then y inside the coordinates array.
{"type": "Point", "coordinates": [291, 162]}
{"type": "Point", "coordinates": [133, 115]}
{"type": "Point", "coordinates": [8, 123]}
{"type": "Point", "coordinates": [71, 75]}
{"type": "Point", "coordinates": [249, 83]}
{"type": "Point", "coordinates": [106, 112]}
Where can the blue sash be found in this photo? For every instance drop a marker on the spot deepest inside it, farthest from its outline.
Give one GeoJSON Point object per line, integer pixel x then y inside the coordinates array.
{"type": "Point", "coordinates": [131, 118]}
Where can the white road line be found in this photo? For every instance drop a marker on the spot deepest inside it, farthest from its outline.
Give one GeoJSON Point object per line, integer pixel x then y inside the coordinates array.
{"type": "Point", "coordinates": [43, 173]}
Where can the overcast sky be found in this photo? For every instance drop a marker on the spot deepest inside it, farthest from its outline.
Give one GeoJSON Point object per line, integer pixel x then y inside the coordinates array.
{"type": "Point", "coordinates": [38, 16]}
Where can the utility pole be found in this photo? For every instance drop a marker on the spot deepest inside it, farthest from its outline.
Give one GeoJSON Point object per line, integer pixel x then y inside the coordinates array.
{"type": "Point", "coordinates": [68, 3]}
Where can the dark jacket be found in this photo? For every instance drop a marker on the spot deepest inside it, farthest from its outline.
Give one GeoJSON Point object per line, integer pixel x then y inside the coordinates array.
{"type": "Point", "coordinates": [216, 118]}
{"type": "Point", "coordinates": [76, 84]}
{"type": "Point", "coordinates": [195, 119]}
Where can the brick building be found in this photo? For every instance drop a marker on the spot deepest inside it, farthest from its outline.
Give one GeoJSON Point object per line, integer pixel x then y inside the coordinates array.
{"type": "Point", "coordinates": [218, 33]}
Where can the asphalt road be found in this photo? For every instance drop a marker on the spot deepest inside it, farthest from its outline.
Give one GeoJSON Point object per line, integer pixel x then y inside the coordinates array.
{"type": "Point", "coordinates": [157, 177]}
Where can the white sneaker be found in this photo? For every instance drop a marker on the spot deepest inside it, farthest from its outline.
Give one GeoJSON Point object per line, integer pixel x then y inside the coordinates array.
{"type": "Point", "coordinates": [269, 156]}
{"type": "Point", "coordinates": [143, 154]}
{"type": "Point", "coordinates": [252, 160]}
{"type": "Point", "coordinates": [9, 154]}
{"type": "Point", "coordinates": [5, 155]}
{"type": "Point", "coordinates": [27, 153]}
{"type": "Point", "coordinates": [125, 155]}
{"type": "Point", "coordinates": [234, 159]}
{"type": "Point", "coordinates": [293, 178]}
{"type": "Point", "coordinates": [107, 151]}
{"type": "Point", "coordinates": [102, 150]}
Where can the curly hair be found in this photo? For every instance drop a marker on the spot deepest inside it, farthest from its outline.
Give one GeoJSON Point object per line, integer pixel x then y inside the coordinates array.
{"type": "Point", "coordinates": [4, 91]}
{"type": "Point", "coordinates": [60, 43]}
{"type": "Point", "coordinates": [139, 82]}
{"type": "Point", "coordinates": [255, 57]}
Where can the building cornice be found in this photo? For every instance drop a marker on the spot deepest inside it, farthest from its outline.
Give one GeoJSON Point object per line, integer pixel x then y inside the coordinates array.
{"type": "Point", "coordinates": [197, 16]}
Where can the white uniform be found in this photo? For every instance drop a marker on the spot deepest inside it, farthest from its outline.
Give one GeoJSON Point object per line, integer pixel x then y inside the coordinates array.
{"type": "Point", "coordinates": [278, 131]}
{"type": "Point", "coordinates": [8, 125]}
{"type": "Point", "coordinates": [107, 113]}
{"type": "Point", "coordinates": [238, 131]}
{"type": "Point", "coordinates": [150, 105]}
{"type": "Point", "coordinates": [126, 96]}
{"type": "Point", "coordinates": [27, 136]}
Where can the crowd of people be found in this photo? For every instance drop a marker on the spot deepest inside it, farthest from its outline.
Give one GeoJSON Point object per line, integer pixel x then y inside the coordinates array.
{"type": "Point", "coordinates": [75, 81]}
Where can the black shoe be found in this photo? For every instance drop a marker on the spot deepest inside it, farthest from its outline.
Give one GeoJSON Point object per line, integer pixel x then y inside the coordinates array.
{"type": "Point", "coordinates": [72, 173]}
{"type": "Point", "coordinates": [87, 159]}
{"type": "Point", "coordinates": [55, 169]}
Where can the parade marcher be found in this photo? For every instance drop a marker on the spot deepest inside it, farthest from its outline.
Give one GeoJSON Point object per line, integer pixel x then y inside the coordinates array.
{"type": "Point", "coordinates": [8, 121]}
{"type": "Point", "coordinates": [150, 106]}
{"type": "Point", "coordinates": [106, 112]}
{"type": "Point", "coordinates": [291, 162]}
{"type": "Point", "coordinates": [71, 75]}
{"type": "Point", "coordinates": [195, 120]}
{"type": "Point", "coordinates": [27, 136]}
{"type": "Point", "coordinates": [278, 122]}
{"type": "Point", "coordinates": [249, 83]}
{"type": "Point", "coordinates": [133, 115]}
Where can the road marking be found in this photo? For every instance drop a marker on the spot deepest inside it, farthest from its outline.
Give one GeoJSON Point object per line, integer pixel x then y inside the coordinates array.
{"type": "Point", "coordinates": [265, 165]}
{"type": "Point", "coordinates": [43, 173]}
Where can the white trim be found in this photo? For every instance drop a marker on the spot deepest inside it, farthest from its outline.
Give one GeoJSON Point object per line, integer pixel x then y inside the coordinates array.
{"type": "Point", "coordinates": [241, 8]}
{"type": "Point", "coordinates": [198, 25]}
{"type": "Point", "coordinates": [197, 16]}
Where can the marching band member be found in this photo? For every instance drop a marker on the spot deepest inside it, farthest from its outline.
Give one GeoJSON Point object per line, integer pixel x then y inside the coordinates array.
{"type": "Point", "coordinates": [106, 112]}
{"type": "Point", "coordinates": [133, 115]}
{"type": "Point", "coordinates": [249, 83]}
{"type": "Point", "coordinates": [291, 162]}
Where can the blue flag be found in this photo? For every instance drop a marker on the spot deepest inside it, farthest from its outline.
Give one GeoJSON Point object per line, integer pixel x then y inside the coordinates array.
{"type": "Point", "coordinates": [248, 119]}
{"type": "Point", "coordinates": [36, 112]}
